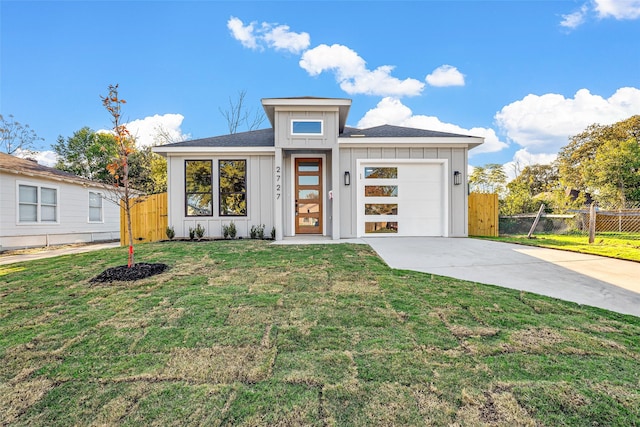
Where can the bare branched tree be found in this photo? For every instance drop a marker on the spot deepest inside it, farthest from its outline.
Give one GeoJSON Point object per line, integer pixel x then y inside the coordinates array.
{"type": "Point", "coordinates": [238, 115]}
{"type": "Point", "coordinates": [14, 136]}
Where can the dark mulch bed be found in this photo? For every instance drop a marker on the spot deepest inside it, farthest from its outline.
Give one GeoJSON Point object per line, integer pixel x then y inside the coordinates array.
{"type": "Point", "coordinates": [123, 273]}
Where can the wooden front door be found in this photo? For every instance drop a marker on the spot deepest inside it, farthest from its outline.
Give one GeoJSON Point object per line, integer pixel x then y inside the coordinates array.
{"type": "Point", "coordinates": [308, 196]}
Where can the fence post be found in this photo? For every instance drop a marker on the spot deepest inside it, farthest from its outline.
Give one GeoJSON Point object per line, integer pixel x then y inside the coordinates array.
{"type": "Point", "coordinates": [535, 222]}
{"type": "Point", "coordinates": [592, 223]}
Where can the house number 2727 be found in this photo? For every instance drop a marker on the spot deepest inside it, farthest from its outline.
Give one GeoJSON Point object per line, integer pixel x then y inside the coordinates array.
{"type": "Point", "coordinates": [278, 186]}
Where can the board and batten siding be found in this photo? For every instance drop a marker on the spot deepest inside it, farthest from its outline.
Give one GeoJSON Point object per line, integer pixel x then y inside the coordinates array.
{"type": "Point", "coordinates": [260, 199]}
{"type": "Point", "coordinates": [286, 140]}
{"type": "Point", "coordinates": [456, 159]}
{"type": "Point", "coordinates": [73, 225]}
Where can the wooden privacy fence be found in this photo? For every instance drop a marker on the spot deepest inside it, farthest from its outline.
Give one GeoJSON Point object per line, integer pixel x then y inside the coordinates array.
{"type": "Point", "coordinates": [148, 219]}
{"type": "Point", "coordinates": [483, 214]}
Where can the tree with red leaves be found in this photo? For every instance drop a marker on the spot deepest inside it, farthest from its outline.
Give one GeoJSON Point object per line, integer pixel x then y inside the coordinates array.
{"type": "Point", "coordinates": [119, 167]}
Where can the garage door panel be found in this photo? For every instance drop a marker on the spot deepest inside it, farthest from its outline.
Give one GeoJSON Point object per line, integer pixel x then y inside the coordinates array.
{"type": "Point", "coordinates": [417, 204]}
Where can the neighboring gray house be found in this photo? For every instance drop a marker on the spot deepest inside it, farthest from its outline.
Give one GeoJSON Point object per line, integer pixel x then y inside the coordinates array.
{"type": "Point", "coordinates": [310, 174]}
{"type": "Point", "coordinates": [42, 206]}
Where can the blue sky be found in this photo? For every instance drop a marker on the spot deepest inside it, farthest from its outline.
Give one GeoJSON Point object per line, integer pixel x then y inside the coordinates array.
{"type": "Point", "coordinates": [525, 75]}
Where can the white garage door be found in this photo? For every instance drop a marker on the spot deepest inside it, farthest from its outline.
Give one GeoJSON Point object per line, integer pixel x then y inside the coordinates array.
{"type": "Point", "coordinates": [402, 198]}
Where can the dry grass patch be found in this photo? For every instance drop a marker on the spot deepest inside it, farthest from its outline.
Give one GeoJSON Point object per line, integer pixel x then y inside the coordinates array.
{"type": "Point", "coordinates": [18, 397]}
{"type": "Point", "coordinates": [498, 407]}
{"type": "Point", "coordinates": [120, 406]}
{"type": "Point", "coordinates": [466, 332]}
{"type": "Point", "coordinates": [357, 287]}
{"type": "Point", "coordinates": [220, 365]}
{"type": "Point", "coordinates": [433, 410]}
{"type": "Point", "coordinates": [535, 340]}
{"type": "Point", "coordinates": [251, 315]}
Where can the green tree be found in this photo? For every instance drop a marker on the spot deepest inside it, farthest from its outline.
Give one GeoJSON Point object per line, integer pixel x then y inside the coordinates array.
{"type": "Point", "coordinates": [575, 159]}
{"type": "Point", "coordinates": [539, 178]}
{"type": "Point", "coordinates": [14, 136]}
{"type": "Point", "coordinates": [490, 178]}
{"type": "Point", "coordinates": [148, 171]}
{"type": "Point", "coordinates": [613, 175]}
{"type": "Point", "coordinates": [518, 200]}
{"type": "Point", "coordinates": [86, 154]}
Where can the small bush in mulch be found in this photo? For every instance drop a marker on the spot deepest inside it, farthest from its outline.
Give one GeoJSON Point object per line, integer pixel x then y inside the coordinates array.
{"type": "Point", "coordinates": [123, 273]}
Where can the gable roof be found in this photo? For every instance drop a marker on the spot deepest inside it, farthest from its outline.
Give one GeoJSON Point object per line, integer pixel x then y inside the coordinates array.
{"type": "Point", "coordinates": [266, 137]}
{"type": "Point", "coordinates": [16, 165]}
{"type": "Point", "coordinates": [253, 138]}
{"type": "Point", "coordinates": [390, 131]}
{"type": "Point", "coordinates": [342, 104]}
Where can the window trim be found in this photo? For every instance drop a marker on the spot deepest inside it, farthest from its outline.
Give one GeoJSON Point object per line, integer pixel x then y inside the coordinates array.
{"type": "Point", "coordinates": [39, 186]}
{"type": "Point", "coordinates": [246, 199]}
{"type": "Point", "coordinates": [321, 133]}
{"type": "Point", "coordinates": [186, 205]}
{"type": "Point", "coordinates": [101, 220]}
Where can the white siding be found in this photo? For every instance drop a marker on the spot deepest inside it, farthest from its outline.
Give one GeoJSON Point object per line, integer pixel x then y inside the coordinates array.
{"type": "Point", "coordinates": [73, 224]}
{"type": "Point", "coordinates": [260, 201]}
{"type": "Point", "coordinates": [456, 198]}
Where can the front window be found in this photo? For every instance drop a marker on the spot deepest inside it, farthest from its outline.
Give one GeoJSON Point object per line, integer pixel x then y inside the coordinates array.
{"type": "Point", "coordinates": [37, 204]}
{"type": "Point", "coordinates": [233, 187]}
{"type": "Point", "coordinates": [198, 188]}
{"type": "Point", "coordinates": [95, 207]}
{"type": "Point", "coordinates": [306, 127]}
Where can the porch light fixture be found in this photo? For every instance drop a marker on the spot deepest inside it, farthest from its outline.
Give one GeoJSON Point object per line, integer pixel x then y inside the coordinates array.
{"type": "Point", "coordinates": [457, 178]}
{"type": "Point", "coordinates": [347, 178]}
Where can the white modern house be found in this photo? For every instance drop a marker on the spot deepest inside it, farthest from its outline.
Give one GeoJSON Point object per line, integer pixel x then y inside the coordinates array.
{"type": "Point", "coordinates": [311, 174]}
{"type": "Point", "coordinates": [42, 206]}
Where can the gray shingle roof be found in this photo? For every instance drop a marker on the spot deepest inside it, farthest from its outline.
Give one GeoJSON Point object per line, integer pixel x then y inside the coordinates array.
{"type": "Point", "coordinates": [266, 137]}
{"type": "Point", "coordinates": [254, 138]}
{"type": "Point", "coordinates": [389, 131]}
{"type": "Point", "coordinates": [31, 168]}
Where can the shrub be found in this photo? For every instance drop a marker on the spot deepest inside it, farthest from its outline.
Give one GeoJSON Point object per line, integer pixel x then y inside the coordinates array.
{"type": "Point", "coordinates": [229, 231]}
{"type": "Point", "coordinates": [192, 233]}
{"type": "Point", "coordinates": [199, 231]}
{"type": "Point", "coordinates": [273, 233]}
{"type": "Point", "coordinates": [170, 233]}
{"type": "Point", "coordinates": [257, 232]}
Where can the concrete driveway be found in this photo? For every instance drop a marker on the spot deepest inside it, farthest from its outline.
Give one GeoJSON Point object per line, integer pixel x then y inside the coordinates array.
{"type": "Point", "coordinates": [54, 252]}
{"type": "Point", "coordinates": [585, 279]}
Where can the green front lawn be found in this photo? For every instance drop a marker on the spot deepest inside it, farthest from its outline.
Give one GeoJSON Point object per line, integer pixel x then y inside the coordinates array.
{"type": "Point", "coordinates": [247, 333]}
{"type": "Point", "coordinates": [609, 245]}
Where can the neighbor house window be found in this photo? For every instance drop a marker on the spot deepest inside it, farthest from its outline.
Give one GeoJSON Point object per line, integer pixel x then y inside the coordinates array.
{"type": "Point", "coordinates": [37, 204]}
{"type": "Point", "coordinates": [233, 187]}
{"type": "Point", "coordinates": [306, 127]}
{"type": "Point", "coordinates": [95, 207]}
{"type": "Point", "coordinates": [198, 187]}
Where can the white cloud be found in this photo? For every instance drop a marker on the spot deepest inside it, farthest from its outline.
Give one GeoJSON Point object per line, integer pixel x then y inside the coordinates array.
{"type": "Point", "coordinates": [618, 9]}
{"type": "Point", "coordinates": [575, 19]}
{"type": "Point", "coordinates": [523, 158]}
{"type": "Point", "coordinates": [45, 158]}
{"type": "Point", "coordinates": [393, 112]}
{"type": "Point", "coordinates": [154, 130]}
{"type": "Point", "coordinates": [445, 75]}
{"type": "Point", "coordinates": [242, 33]}
{"type": "Point", "coordinates": [278, 37]}
{"type": "Point", "coordinates": [543, 123]}
{"type": "Point", "coordinates": [352, 74]}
